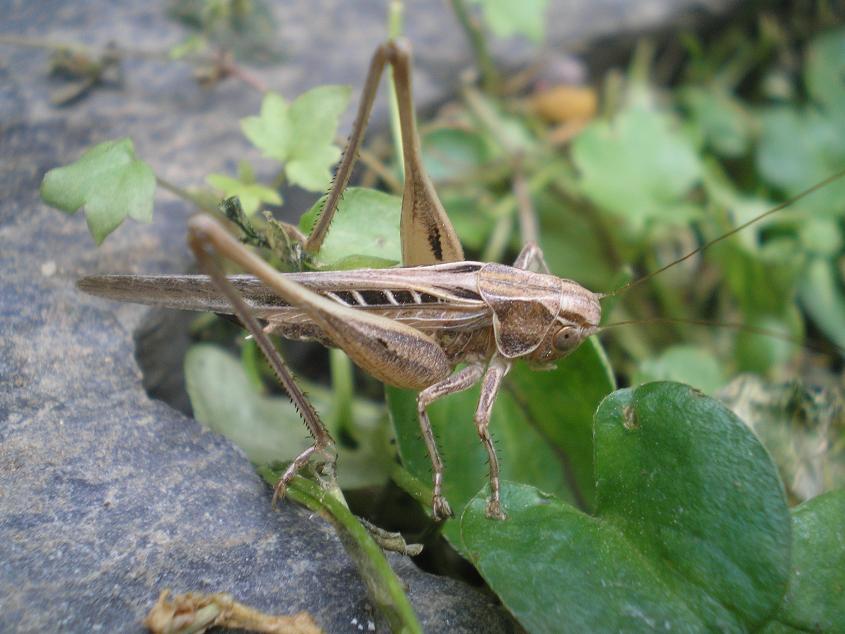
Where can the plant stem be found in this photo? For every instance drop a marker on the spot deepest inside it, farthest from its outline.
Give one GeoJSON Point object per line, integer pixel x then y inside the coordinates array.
{"type": "Point", "coordinates": [385, 588]}
{"type": "Point", "coordinates": [394, 30]}
{"type": "Point", "coordinates": [504, 212]}
{"type": "Point", "coordinates": [499, 239]}
{"type": "Point", "coordinates": [412, 485]}
{"type": "Point", "coordinates": [374, 163]}
{"type": "Point", "coordinates": [233, 69]}
{"type": "Point", "coordinates": [184, 194]}
{"type": "Point", "coordinates": [527, 215]}
{"type": "Point", "coordinates": [490, 78]}
{"type": "Point", "coordinates": [341, 371]}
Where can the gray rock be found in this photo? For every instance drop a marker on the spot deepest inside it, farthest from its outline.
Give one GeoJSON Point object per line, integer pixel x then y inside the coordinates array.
{"type": "Point", "coordinates": [106, 495]}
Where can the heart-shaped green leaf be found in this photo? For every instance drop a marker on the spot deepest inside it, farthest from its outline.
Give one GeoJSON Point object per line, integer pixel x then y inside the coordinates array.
{"type": "Point", "coordinates": [300, 134]}
{"type": "Point", "coordinates": [110, 181]}
{"type": "Point", "coordinates": [691, 530]}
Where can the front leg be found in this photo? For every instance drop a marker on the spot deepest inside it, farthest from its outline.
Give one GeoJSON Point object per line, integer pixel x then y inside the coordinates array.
{"type": "Point", "coordinates": [458, 382]}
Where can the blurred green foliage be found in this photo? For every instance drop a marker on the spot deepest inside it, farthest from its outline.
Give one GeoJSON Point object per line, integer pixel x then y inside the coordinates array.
{"type": "Point", "coordinates": [245, 28]}
{"type": "Point", "coordinates": [300, 134]}
{"type": "Point", "coordinates": [507, 18]}
{"type": "Point", "coordinates": [651, 506]}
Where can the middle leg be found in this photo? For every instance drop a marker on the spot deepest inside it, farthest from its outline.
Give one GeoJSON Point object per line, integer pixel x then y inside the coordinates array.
{"type": "Point", "coordinates": [458, 382]}
{"type": "Point", "coordinates": [496, 371]}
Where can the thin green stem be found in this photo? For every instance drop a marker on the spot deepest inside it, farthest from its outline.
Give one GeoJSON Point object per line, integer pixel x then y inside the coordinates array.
{"type": "Point", "coordinates": [394, 30]}
{"type": "Point", "coordinates": [246, 77]}
{"type": "Point", "coordinates": [412, 485]}
{"type": "Point", "coordinates": [184, 194]}
{"type": "Point", "coordinates": [341, 371]}
{"type": "Point", "coordinates": [500, 238]}
{"type": "Point", "coordinates": [507, 208]}
{"type": "Point", "coordinates": [385, 588]}
{"type": "Point", "coordinates": [490, 78]}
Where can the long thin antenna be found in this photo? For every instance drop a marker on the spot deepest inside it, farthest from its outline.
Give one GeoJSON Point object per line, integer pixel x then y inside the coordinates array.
{"type": "Point", "coordinates": [783, 205]}
{"type": "Point", "coordinates": [775, 334]}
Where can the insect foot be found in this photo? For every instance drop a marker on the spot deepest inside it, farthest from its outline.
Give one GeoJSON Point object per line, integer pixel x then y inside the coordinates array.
{"type": "Point", "coordinates": [325, 468]}
{"type": "Point", "coordinates": [494, 510]}
{"type": "Point", "coordinates": [440, 508]}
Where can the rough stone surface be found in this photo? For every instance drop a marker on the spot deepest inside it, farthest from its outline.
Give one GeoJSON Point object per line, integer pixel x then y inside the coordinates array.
{"type": "Point", "coordinates": [106, 495]}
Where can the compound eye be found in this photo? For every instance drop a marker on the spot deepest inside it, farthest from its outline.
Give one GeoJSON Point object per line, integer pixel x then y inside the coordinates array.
{"type": "Point", "coordinates": [565, 339]}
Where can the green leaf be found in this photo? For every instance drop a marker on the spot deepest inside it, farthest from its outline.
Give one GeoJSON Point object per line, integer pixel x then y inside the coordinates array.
{"type": "Point", "coordinates": [110, 181]}
{"type": "Point", "coordinates": [691, 531]}
{"type": "Point", "coordinates": [723, 194]}
{"type": "Point", "coordinates": [541, 425]}
{"type": "Point", "coordinates": [505, 133]}
{"type": "Point", "coordinates": [822, 297]}
{"type": "Point", "coordinates": [824, 71]}
{"type": "Point", "coordinates": [507, 18]}
{"type": "Point", "coordinates": [364, 231]}
{"type": "Point", "coordinates": [637, 166]}
{"type": "Point", "coordinates": [223, 398]}
{"type": "Point", "coordinates": [766, 353]}
{"type": "Point", "coordinates": [764, 281]}
{"type": "Point", "coordinates": [300, 134]}
{"type": "Point", "coordinates": [453, 153]}
{"type": "Point", "coordinates": [821, 236]}
{"type": "Point", "coordinates": [720, 118]}
{"type": "Point", "coordinates": [470, 218]}
{"type": "Point", "coordinates": [572, 246]}
{"type": "Point", "coordinates": [269, 429]}
{"type": "Point", "coordinates": [815, 598]}
{"type": "Point", "coordinates": [798, 149]}
{"type": "Point", "coordinates": [692, 365]}
{"type": "Point", "coordinates": [251, 194]}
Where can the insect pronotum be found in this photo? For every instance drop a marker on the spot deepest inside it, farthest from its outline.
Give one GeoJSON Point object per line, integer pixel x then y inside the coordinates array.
{"type": "Point", "coordinates": [409, 327]}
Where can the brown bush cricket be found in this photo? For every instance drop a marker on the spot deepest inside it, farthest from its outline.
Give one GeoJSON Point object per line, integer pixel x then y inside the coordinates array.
{"type": "Point", "coordinates": [408, 327]}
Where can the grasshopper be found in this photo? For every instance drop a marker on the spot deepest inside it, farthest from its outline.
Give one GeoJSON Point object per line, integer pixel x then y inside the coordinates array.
{"type": "Point", "coordinates": [409, 327]}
